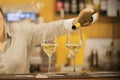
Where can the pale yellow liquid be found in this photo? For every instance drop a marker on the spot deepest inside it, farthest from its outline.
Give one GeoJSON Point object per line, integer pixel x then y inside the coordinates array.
{"type": "Point", "coordinates": [49, 49]}
{"type": "Point", "coordinates": [74, 48]}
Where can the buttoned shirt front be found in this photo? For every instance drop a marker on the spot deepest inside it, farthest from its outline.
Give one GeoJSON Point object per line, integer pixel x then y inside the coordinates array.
{"type": "Point", "coordinates": [21, 38]}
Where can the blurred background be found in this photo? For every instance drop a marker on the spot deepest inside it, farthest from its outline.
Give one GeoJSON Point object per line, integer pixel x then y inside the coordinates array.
{"type": "Point", "coordinates": [101, 47]}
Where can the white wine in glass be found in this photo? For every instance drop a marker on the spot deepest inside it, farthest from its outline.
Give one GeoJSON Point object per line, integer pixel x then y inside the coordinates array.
{"type": "Point", "coordinates": [49, 49]}
{"type": "Point", "coordinates": [49, 45]}
{"type": "Point", "coordinates": [74, 43]}
{"type": "Point", "coordinates": [74, 48]}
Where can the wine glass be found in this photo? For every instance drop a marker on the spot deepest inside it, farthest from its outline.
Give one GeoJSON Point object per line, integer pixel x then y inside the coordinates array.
{"type": "Point", "coordinates": [73, 43]}
{"type": "Point", "coordinates": [49, 45]}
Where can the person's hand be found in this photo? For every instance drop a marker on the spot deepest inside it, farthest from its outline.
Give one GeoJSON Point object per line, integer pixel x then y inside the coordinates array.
{"type": "Point", "coordinates": [85, 17]}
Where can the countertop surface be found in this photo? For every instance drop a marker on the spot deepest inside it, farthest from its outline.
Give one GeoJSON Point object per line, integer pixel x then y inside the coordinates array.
{"type": "Point", "coordinates": [84, 75]}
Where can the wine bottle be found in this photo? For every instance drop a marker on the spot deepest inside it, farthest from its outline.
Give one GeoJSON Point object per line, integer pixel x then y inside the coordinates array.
{"type": "Point", "coordinates": [89, 4]}
{"type": "Point", "coordinates": [91, 58]}
{"type": "Point", "coordinates": [81, 5]}
{"type": "Point", "coordinates": [77, 24]}
{"type": "Point", "coordinates": [96, 64]}
{"type": "Point", "coordinates": [73, 6]}
{"type": "Point", "coordinates": [112, 8]}
{"type": "Point", "coordinates": [94, 58]}
{"type": "Point", "coordinates": [59, 8]}
{"type": "Point", "coordinates": [118, 7]}
{"type": "Point", "coordinates": [67, 6]}
{"type": "Point", "coordinates": [96, 4]}
{"type": "Point", "coordinates": [103, 7]}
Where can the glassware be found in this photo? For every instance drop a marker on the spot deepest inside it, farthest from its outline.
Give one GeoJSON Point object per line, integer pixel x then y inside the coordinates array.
{"type": "Point", "coordinates": [73, 43]}
{"type": "Point", "coordinates": [49, 45]}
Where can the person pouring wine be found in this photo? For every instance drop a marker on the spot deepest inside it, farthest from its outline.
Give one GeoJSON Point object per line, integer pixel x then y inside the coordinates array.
{"type": "Point", "coordinates": [17, 39]}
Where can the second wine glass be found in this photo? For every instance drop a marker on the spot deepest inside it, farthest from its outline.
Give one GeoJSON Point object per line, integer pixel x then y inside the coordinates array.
{"type": "Point", "coordinates": [73, 43]}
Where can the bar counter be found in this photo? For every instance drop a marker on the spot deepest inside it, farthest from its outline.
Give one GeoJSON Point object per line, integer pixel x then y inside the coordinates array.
{"type": "Point", "coordinates": [64, 76]}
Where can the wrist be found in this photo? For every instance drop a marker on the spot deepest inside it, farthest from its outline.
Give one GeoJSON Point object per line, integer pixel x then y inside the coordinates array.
{"type": "Point", "coordinates": [68, 24]}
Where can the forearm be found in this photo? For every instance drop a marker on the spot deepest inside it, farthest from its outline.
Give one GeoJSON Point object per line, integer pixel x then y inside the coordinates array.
{"type": "Point", "coordinates": [56, 28]}
{"type": "Point", "coordinates": [60, 27]}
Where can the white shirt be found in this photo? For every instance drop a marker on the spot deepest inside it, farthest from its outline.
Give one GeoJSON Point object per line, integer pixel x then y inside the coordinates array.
{"type": "Point", "coordinates": [21, 38]}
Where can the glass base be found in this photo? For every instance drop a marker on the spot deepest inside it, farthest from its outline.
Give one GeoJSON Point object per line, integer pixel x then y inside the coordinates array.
{"type": "Point", "coordinates": [73, 74]}
{"type": "Point", "coordinates": [49, 73]}
{"type": "Point", "coordinates": [53, 75]}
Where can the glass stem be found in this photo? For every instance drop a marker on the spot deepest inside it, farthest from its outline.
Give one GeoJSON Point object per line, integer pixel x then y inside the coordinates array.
{"type": "Point", "coordinates": [49, 67]}
{"type": "Point", "coordinates": [74, 63]}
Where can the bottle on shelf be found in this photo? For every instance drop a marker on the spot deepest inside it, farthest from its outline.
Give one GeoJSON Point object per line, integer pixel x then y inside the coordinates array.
{"type": "Point", "coordinates": [91, 58]}
{"type": "Point", "coordinates": [96, 4]}
{"type": "Point", "coordinates": [118, 7]}
{"type": "Point", "coordinates": [73, 6]}
{"type": "Point", "coordinates": [60, 8]}
{"type": "Point", "coordinates": [67, 6]}
{"type": "Point", "coordinates": [103, 7]}
{"type": "Point", "coordinates": [94, 58]}
{"type": "Point", "coordinates": [81, 5]}
{"type": "Point", "coordinates": [112, 8]}
{"type": "Point", "coordinates": [89, 4]}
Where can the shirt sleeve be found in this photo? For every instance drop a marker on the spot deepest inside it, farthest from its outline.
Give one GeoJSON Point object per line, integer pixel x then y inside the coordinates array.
{"type": "Point", "coordinates": [95, 17]}
{"type": "Point", "coordinates": [68, 24]}
{"type": "Point", "coordinates": [56, 28]}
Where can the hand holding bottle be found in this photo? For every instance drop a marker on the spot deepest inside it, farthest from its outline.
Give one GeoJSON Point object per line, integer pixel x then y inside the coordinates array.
{"type": "Point", "coordinates": [84, 18]}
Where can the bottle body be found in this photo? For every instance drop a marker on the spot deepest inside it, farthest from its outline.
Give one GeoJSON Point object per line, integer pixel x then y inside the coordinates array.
{"type": "Point", "coordinates": [96, 4]}
{"type": "Point", "coordinates": [103, 7]}
{"type": "Point", "coordinates": [94, 63]}
{"type": "Point", "coordinates": [60, 8]}
{"type": "Point", "coordinates": [89, 4]}
{"type": "Point", "coordinates": [67, 6]}
{"type": "Point", "coordinates": [73, 6]}
{"type": "Point", "coordinates": [81, 5]}
{"type": "Point", "coordinates": [112, 8]}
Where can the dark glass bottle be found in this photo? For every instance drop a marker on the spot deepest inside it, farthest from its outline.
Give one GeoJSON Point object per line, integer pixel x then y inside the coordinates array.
{"type": "Point", "coordinates": [67, 6]}
{"type": "Point", "coordinates": [89, 4]}
{"type": "Point", "coordinates": [118, 8]}
{"type": "Point", "coordinates": [94, 58]}
{"type": "Point", "coordinates": [59, 7]}
{"type": "Point", "coordinates": [103, 7]}
{"type": "Point", "coordinates": [73, 6]}
{"type": "Point", "coordinates": [81, 5]}
{"type": "Point", "coordinates": [96, 4]}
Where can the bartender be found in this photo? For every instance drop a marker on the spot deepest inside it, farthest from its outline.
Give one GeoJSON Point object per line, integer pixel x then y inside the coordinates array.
{"type": "Point", "coordinates": [17, 39]}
